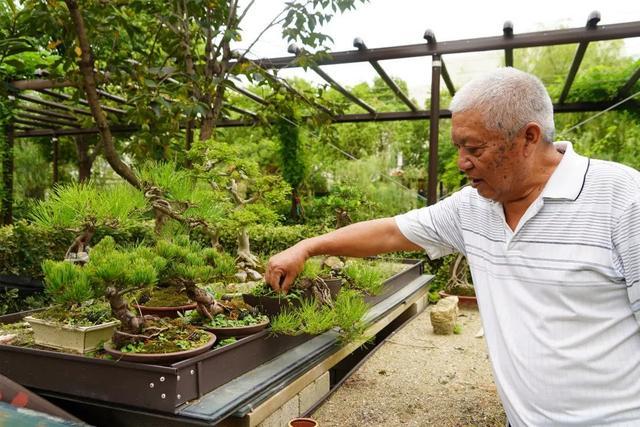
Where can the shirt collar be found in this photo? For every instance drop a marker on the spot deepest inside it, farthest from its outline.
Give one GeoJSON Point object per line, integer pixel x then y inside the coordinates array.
{"type": "Point", "coordinates": [567, 180]}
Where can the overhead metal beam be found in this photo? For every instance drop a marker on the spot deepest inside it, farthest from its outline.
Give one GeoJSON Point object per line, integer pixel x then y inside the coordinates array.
{"type": "Point", "coordinates": [36, 84]}
{"type": "Point", "coordinates": [249, 95]}
{"type": "Point", "coordinates": [241, 111]}
{"type": "Point", "coordinates": [592, 24]}
{"type": "Point", "coordinates": [535, 39]}
{"type": "Point", "coordinates": [360, 45]}
{"type": "Point", "coordinates": [296, 50]}
{"type": "Point", "coordinates": [66, 97]}
{"type": "Point", "coordinates": [507, 32]}
{"type": "Point", "coordinates": [343, 118]}
{"type": "Point", "coordinates": [45, 120]}
{"type": "Point", "coordinates": [430, 37]}
{"type": "Point", "coordinates": [48, 113]}
{"type": "Point", "coordinates": [626, 89]}
{"type": "Point", "coordinates": [52, 104]}
{"type": "Point", "coordinates": [33, 124]}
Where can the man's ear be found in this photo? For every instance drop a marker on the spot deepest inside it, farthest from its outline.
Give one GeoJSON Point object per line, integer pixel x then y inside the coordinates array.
{"type": "Point", "coordinates": [532, 134]}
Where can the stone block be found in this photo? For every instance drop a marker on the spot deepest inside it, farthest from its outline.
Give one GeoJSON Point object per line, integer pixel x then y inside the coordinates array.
{"type": "Point", "coordinates": [444, 315]}
{"type": "Point", "coordinates": [282, 415]}
{"type": "Point", "coordinates": [312, 393]}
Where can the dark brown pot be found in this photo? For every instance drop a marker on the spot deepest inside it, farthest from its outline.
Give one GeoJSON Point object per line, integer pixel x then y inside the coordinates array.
{"type": "Point", "coordinates": [463, 301]}
{"type": "Point", "coordinates": [171, 312]}
{"type": "Point", "coordinates": [303, 422]}
{"type": "Point", "coordinates": [238, 331]}
{"type": "Point", "coordinates": [272, 306]}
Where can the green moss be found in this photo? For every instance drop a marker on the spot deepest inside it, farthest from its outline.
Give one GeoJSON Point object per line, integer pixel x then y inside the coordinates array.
{"type": "Point", "coordinates": [89, 313]}
{"type": "Point", "coordinates": [174, 339]}
{"type": "Point", "coordinates": [169, 296]}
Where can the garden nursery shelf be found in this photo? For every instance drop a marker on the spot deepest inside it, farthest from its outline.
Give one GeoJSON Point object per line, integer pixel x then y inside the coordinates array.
{"type": "Point", "coordinates": [203, 389]}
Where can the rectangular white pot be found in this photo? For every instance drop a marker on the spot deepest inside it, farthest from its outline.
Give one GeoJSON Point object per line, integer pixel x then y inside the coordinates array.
{"type": "Point", "coordinates": [75, 339]}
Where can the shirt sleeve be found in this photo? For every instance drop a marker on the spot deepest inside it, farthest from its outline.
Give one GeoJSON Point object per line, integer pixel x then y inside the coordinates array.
{"type": "Point", "coordinates": [435, 228]}
{"type": "Point", "coordinates": [626, 245]}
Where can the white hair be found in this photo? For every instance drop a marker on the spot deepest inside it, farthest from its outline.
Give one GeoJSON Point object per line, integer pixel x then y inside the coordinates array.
{"type": "Point", "coordinates": [508, 99]}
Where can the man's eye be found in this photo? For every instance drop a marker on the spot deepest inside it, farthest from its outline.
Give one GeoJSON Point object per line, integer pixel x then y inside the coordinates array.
{"type": "Point", "coordinates": [473, 151]}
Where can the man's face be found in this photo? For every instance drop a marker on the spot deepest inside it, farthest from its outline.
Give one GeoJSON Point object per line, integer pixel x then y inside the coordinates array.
{"type": "Point", "coordinates": [493, 165]}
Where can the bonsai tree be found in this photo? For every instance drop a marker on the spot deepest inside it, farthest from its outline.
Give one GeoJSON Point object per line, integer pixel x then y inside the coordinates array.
{"type": "Point", "coordinates": [115, 273]}
{"type": "Point", "coordinates": [252, 193]}
{"type": "Point", "coordinates": [187, 264]}
{"type": "Point", "coordinates": [83, 208]}
{"type": "Point", "coordinates": [75, 300]}
{"type": "Point", "coordinates": [176, 194]}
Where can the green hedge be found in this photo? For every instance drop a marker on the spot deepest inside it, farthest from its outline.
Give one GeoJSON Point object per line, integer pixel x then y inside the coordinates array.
{"type": "Point", "coordinates": [24, 246]}
{"type": "Point", "coordinates": [269, 239]}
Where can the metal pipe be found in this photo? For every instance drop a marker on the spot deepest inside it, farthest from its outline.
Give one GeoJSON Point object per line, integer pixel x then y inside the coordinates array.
{"type": "Point", "coordinates": [434, 122]}
{"type": "Point", "coordinates": [592, 24]}
{"type": "Point", "coordinates": [430, 37]}
{"type": "Point", "coordinates": [507, 32]}
{"type": "Point", "coordinates": [360, 45]}
{"type": "Point", "coordinates": [297, 51]}
{"type": "Point", "coordinates": [535, 39]}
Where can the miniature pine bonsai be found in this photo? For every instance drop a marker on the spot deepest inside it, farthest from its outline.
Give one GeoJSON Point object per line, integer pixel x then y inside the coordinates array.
{"type": "Point", "coordinates": [116, 273]}
{"type": "Point", "coordinates": [75, 300]}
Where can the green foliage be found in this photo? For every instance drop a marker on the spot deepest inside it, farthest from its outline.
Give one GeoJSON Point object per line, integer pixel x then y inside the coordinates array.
{"type": "Point", "coordinates": [294, 166]}
{"type": "Point", "coordinates": [350, 309]}
{"type": "Point", "coordinates": [24, 247]}
{"type": "Point", "coordinates": [270, 239]}
{"type": "Point", "coordinates": [11, 301]}
{"type": "Point", "coordinates": [67, 283]}
{"type": "Point", "coordinates": [286, 323]}
{"type": "Point", "coordinates": [457, 329]}
{"type": "Point", "coordinates": [222, 321]}
{"type": "Point", "coordinates": [313, 318]}
{"type": "Point", "coordinates": [365, 276]}
{"type": "Point", "coordinates": [74, 205]}
{"type": "Point", "coordinates": [134, 268]}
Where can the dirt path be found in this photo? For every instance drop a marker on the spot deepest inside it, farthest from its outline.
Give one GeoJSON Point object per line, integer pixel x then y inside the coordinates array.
{"type": "Point", "coordinates": [419, 379]}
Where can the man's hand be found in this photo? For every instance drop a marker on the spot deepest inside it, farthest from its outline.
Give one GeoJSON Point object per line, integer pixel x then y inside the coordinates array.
{"type": "Point", "coordinates": [284, 267]}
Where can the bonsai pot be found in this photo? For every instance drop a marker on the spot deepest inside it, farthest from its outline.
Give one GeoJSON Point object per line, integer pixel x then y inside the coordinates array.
{"type": "Point", "coordinates": [463, 300]}
{"type": "Point", "coordinates": [237, 331]}
{"type": "Point", "coordinates": [172, 312]}
{"type": "Point", "coordinates": [303, 422]}
{"type": "Point", "coordinates": [159, 357]}
{"type": "Point", "coordinates": [75, 339]}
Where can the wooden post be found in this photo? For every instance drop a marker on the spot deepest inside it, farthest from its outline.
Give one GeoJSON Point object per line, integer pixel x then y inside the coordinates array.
{"type": "Point", "coordinates": [56, 148]}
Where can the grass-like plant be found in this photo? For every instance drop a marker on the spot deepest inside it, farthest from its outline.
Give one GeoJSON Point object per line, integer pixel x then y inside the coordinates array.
{"type": "Point", "coordinates": [365, 276]}
{"type": "Point", "coordinates": [315, 318]}
{"type": "Point", "coordinates": [287, 322]}
{"type": "Point", "coordinates": [349, 309]}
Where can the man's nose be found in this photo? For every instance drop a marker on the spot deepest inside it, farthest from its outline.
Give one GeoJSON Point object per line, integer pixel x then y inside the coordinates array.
{"type": "Point", "coordinates": [464, 164]}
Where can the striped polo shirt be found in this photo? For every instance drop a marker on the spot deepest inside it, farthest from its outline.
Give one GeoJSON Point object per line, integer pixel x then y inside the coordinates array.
{"type": "Point", "coordinates": [558, 294]}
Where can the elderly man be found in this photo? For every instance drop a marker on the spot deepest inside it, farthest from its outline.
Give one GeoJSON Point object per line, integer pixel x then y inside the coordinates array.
{"type": "Point", "coordinates": [553, 243]}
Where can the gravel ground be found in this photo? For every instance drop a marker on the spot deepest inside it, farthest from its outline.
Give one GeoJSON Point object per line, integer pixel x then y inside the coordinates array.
{"type": "Point", "coordinates": [419, 379]}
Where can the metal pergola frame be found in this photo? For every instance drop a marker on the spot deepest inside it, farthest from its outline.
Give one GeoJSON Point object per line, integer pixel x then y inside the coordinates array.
{"type": "Point", "coordinates": [40, 117]}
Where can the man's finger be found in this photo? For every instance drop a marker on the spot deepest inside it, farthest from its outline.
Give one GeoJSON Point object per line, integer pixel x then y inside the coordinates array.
{"type": "Point", "coordinates": [286, 282]}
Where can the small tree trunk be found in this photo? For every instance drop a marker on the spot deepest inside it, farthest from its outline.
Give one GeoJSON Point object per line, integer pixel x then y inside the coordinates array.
{"type": "Point", "coordinates": [89, 83]}
{"type": "Point", "coordinates": [244, 249]}
{"type": "Point", "coordinates": [85, 160]}
{"type": "Point", "coordinates": [129, 322]}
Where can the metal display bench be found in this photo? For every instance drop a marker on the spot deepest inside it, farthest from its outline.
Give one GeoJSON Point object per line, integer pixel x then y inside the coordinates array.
{"type": "Point", "coordinates": [258, 378]}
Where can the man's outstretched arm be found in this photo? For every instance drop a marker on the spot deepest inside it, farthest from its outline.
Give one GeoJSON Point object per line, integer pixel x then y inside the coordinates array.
{"type": "Point", "coordinates": [361, 239]}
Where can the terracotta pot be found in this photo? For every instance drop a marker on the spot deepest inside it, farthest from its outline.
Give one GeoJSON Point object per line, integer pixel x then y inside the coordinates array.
{"type": "Point", "coordinates": [463, 301]}
{"type": "Point", "coordinates": [303, 422]}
